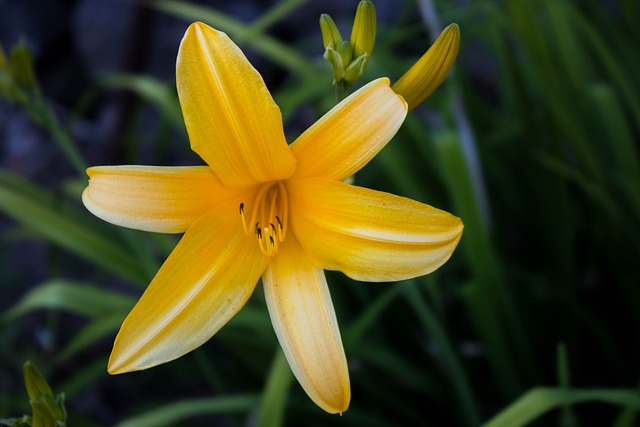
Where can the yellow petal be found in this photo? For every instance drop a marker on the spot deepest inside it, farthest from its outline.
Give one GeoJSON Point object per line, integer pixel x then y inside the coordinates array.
{"type": "Point", "coordinates": [370, 235]}
{"type": "Point", "coordinates": [351, 134]}
{"type": "Point", "coordinates": [205, 281]}
{"type": "Point", "coordinates": [153, 198]}
{"type": "Point", "coordinates": [429, 72]}
{"type": "Point", "coordinates": [305, 322]}
{"type": "Point", "coordinates": [232, 120]}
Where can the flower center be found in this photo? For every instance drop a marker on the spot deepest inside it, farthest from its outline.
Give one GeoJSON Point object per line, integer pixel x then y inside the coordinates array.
{"type": "Point", "coordinates": [269, 213]}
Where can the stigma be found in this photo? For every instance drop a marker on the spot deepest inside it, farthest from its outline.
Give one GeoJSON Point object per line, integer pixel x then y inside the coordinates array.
{"type": "Point", "coordinates": [266, 216]}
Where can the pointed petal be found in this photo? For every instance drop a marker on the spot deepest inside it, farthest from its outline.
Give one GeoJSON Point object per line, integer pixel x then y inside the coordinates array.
{"type": "Point", "coordinates": [429, 72]}
{"type": "Point", "coordinates": [370, 235]}
{"type": "Point", "coordinates": [205, 281]}
{"type": "Point", "coordinates": [153, 198]}
{"type": "Point", "coordinates": [305, 322]}
{"type": "Point", "coordinates": [233, 122]}
{"type": "Point", "coordinates": [351, 134]}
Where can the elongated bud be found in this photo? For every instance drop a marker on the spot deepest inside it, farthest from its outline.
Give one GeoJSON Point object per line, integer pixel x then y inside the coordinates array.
{"type": "Point", "coordinates": [429, 72]}
{"type": "Point", "coordinates": [47, 411]}
{"type": "Point", "coordinates": [35, 382]}
{"type": "Point", "coordinates": [344, 49]}
{"type": "Point", "coordinates": [363, 33]}
{"type": "Point", "coordinates": [330, 34]}
{"type": "Point", "coordinates": [21, 65]}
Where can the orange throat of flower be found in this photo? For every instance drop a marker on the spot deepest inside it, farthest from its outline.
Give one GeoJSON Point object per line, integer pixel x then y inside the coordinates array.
{"type": "Point", "coordinates": [269, 215]}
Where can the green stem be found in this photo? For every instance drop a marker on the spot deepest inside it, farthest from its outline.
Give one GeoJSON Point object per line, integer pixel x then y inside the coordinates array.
{"type": "Point", "coordinates": [341, 91]}
{"type": "Point", "coordinates": [41, 113]}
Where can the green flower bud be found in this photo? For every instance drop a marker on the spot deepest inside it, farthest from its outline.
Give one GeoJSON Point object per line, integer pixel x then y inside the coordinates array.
{"type": "Point", "coordinates": [330, 35]}
{"type": "Point", "coordinates": [344, 49]}
{"type": "Point", "coordinates": [363, 33]}
{"type": "Point", "coordinates": [47, 412]}
{"type": "Point", "coordinates": [36, 384]}
{"type": "Point", "coordinates": [21, 66]}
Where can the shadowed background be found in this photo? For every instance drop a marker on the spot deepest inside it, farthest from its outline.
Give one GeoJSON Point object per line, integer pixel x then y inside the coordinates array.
{"type": "Point", "coordinates": [532, 141]}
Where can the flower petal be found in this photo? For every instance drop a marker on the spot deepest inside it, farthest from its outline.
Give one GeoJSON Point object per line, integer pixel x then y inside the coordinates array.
{"type": "Point", "coordinates": [431, 69]}
{"type": "Point", "coordinates": [153, 198]}
{"type": "Point", "coordinates": [205, 281]}
{"type": "Point", "coordinates": [351, 134]}
{"type": "Point", "coordinates": [232, 121]}
{"type": "Point", "coordinates": [305, 322]}
{"type": "Point", "coordinates": [370, 235]}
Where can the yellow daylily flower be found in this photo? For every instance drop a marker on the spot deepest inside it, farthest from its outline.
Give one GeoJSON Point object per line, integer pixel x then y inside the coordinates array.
{"type": "Point", "coordinates": [265, 209]}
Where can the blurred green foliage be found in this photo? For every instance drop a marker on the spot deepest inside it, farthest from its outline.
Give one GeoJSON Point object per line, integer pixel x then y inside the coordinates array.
{"type": "Point", "coordinates": [537, 311]}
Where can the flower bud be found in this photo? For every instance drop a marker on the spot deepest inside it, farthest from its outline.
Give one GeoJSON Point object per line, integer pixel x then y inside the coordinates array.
{"type": "Point", "coordinates": [363, 33]}
{"type": "Point", "coordinates": [35, 382]}
{"type": "Point", "coordinates": [47, 412]}
{"type": "Point", "coordinates": [21, 65]}
{"type": "Point", "coordinates": [330, 34]}
{"type": "Point", "coordinates": [429, 72]}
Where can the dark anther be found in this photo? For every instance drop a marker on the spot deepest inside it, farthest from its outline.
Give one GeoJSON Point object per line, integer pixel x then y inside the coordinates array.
{"type": "Point", "coordinates": [259, 233]}
{"type": "Point", "coordinates": [279, 222]}
{"type": "Point", "coordinates": [241, 208]}
{"type": "Point", "coordinates": [273, 243]}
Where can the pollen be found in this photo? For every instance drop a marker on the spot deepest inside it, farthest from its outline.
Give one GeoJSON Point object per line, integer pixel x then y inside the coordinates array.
{"type": "Point", "coordinates": [269, 212]}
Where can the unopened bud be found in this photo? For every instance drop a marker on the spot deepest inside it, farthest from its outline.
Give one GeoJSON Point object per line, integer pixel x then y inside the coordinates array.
{"type": "Point", "coordinates": [330, 34]}
{"type": "Point", "coordinates": [344, 49]}
{"type": "Point", "coordinates": [21, 65]}
{"type": "Point", "coordinates": [363, 33]}
{"type": "Point", "coordinates": [47, 411]}
{"type": "Point", "coordinates": [429, 72]}
{"type": "Point", "coordinates": [35, 382]}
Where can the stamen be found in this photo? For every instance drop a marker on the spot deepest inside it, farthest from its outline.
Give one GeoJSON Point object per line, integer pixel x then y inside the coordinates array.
{"type": "Point", "coordinates": [270, 207]}
{"type": "Point", "coordinates": [244, 223]}
{"type": "Point", "coordinates": [285, 209]}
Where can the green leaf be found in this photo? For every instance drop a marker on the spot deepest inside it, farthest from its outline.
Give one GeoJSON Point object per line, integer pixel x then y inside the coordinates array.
{"type": "Point", "coordinates": [94, 331]}
{"type": "Point", "coordinates": [274, 396]}
{"type": "Point", "coordinates": [83, 299]}
{"type": "Point", "coordinates": [161, 95]}
{"type": "Point", "coordinates": [67, 227]}
{"type": "Point", "coordinates": [172, 413]}
{"type": "Point", "coordinates": [455, 371]}
{"type": "Point", "coordinates": [538, 401]}
{"type": "Point", "coordinates": [241, 33]}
